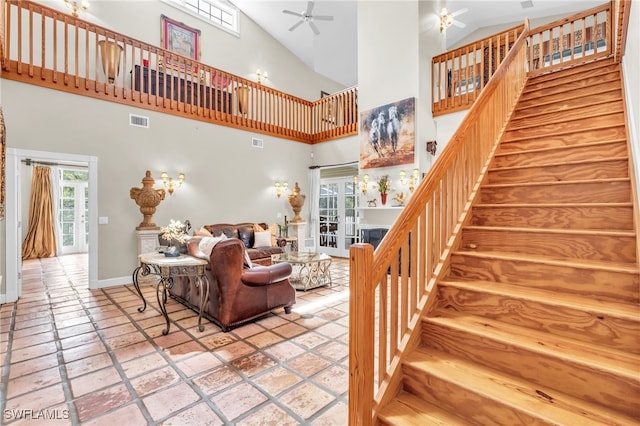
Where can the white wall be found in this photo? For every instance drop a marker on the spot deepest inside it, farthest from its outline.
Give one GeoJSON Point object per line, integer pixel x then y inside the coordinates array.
{"type": "Point", "coordinates": [631, 70]}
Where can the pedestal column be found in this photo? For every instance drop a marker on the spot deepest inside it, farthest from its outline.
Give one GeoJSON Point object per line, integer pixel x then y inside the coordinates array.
{"type": "Point", "coordinates": [148, 240]}
{"type": "Point", "coordinates": [299, 231]}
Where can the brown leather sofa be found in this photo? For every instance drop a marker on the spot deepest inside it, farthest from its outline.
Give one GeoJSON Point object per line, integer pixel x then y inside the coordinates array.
{"type": "Point", "coordinates": [236, 294]}
{"type": "Point", "coordinates": [245, 233]}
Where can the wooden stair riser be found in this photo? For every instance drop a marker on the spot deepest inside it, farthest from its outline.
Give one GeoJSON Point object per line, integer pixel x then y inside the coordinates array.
{"type": "Point", "coordinates": [578, 137]}
{"type": "Point", "coordinates": [599, 217]}
{"type": "Point", "coordinates": [591, 326]}
{"type": "Point", "coordinates": [618, 191]}
{"type": "Point", "coordinates": [542, 367]}
{"type": "Point", "coordinates": [568, 103]}
{"type": "Point", "coordinates": [554, 128]}
{"type": "Point", "coordinates": [554, 245]}
{"type": "Point", "coordinates": [536, 98]}
{"type": "Point", "coordinates": [477, 407]}
{"type": "Point", "coordinates": [576, 112]}
{"type": "Point", "coordinates": [600, 284]}
{"type": "Point", "coordinates": [408, 406]}
{"type": "Point", "coordinates": [536, 91]}
{"type": "Point", "coordinates": [568, 78]}
{"type": "Point", "coordinates": [594, 151]}
{"type": "Point", "coordinates": [600, 169]}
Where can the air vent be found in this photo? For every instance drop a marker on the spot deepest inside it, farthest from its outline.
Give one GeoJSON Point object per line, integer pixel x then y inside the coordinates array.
{"type": "Point", "coordinates": [526, 4]}
{"type": "Point", "coordinates": [138, 121]}
{"type": "Point", "coordinates": [257, 143]}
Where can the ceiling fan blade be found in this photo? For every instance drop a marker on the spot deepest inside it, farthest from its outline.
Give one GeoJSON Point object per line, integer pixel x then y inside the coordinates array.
{"type": "Point", "coordinates": [459, 12]}
{"type": "Point", "coordinates": [459, 24]}
{"type": "Point", "coordinates": [314, 28]}
{"type": "Point", "coordinates": [323, 18]}
{"type": "Point", "coordinates": [309, 8]}
{"type": "Point", "coordinates": [290, 12]}
{"type": "Point", "coordinates": [296, 25]}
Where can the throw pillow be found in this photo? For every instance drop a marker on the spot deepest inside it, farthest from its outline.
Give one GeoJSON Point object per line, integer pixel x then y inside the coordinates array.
{"type": "Point", "coordinates": [262, 239]}
{"type": "Point", "coordinates": [247, 260]}
{"type": "Point", "coordinates": [203, 232]}
{"type": "Point", "coordinates": [257, 227]}
{"type": "Point", "coordinates": [274, 231]}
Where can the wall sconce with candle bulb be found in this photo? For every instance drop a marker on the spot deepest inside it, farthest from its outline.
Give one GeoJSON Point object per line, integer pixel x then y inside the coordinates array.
{"type": "Point", "coordinates": [364, 184]}
{"type": "Point", "coordinates": [171, 184]}
{"type": "Point", "coordinates": [412, 181]}
{"type": "Point", "coordinates": [281, 187]}
{"type": "Point", "coordinates": [261, 75]}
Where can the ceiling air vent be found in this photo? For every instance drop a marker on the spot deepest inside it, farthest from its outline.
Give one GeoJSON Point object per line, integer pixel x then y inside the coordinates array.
{"type": "Point", "coordinates": [257, 143]}
{"type": "Point", "coordinates": [526, 4]}
{"type": "Point", "coordinates": [138, 121]}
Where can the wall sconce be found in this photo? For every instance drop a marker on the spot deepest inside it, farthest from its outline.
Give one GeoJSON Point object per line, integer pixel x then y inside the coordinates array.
{"type": "Point", "coordinates": [280, 188]}
{"type": "Point", "coordinates": [364, 185]}
{"type": "Point", "coordinates": [261, 75]}
{"type": "Point", "coordinates": [170, 184]}
{"type": "Point", "coordinates": [403, 177]}
{"type": "Point", "coordinates": [431, 147]}
{"type": "Point", "coordinates": [75, 8]}
{"type": "Point", "coordinates": [414, 179]}
{"type": "Point", "coordinates": [446, 19]}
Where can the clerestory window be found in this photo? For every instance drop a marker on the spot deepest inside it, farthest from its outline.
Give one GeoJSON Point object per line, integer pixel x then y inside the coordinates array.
{"type": "Point", "coordinates": [217, 13]}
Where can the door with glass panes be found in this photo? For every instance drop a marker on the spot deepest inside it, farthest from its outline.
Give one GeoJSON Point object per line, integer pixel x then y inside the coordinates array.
{"type": "Point", "coordinates": [337, 216]}
{"type": "Point", "coordinates": [73, 211]}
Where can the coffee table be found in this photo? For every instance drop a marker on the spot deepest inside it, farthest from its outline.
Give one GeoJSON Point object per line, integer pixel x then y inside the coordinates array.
{"type": "Point", "coordinates": [310, 270]}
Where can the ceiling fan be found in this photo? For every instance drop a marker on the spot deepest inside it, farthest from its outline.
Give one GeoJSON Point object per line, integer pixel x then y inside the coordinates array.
{"type": "Point", "coordinates": [306, 16]}
{"type": "Point", "coordinates": [447, 19]}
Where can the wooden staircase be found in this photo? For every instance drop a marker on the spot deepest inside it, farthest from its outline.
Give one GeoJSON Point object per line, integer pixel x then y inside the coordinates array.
{"type": "Point", "coordinates": [538, 319]}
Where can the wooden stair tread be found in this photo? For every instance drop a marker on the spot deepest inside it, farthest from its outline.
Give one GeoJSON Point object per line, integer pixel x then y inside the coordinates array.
{"type": "Point", "coordinates": [573, 263]}
{"type": "Point", "coordinates": [546, 404]}
{"type": "Point", "coordinates": [569, 96]}
{"type": "Point", "coordinates": [577, 69]}
{"type": "Point", "coordinates": [594, 356]}
{"type": "Point", "coordinates": [407, 409]}
{"type": "Point", "coordinates": [507, 139]}
{"type": "Point", "coordinates": [560, 120]}
{"type": "Point", "coordinates": [559, 148]}
{"type": "Point", "coordinates": [599, 232]}
{"type": "Point", "coordinates": [564, 182]}
{"type": "Point", "coordinates": [621, 310]}
{"type": "Point", "coordinates": [566, 107]}
{"type": "Point", "coordinates": [561, 163]}
{"type": "Point", "coordinates": [552, 205]}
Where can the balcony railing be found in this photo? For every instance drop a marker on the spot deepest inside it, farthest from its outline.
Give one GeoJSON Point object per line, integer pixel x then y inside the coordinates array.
{"type": "Point", "coordinates": [48, 48]}
{"type": "Point", "coordinates": [460, 75]}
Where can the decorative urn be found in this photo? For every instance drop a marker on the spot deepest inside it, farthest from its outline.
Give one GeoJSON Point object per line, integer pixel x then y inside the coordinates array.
{"type": "Point", "coordinates": [296, 199]}
{"type": "Point", "coordinates": [148, 199]}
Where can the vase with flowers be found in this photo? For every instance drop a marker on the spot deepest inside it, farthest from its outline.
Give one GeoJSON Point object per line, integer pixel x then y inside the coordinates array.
{"type": "Point", "coordinates": [383, 188]}
{"type": "Point", "coordinates": [176, 234]}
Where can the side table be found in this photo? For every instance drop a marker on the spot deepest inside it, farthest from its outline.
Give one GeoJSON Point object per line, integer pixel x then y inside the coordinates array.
{"type": "Point", "coordinates": [166, 268]}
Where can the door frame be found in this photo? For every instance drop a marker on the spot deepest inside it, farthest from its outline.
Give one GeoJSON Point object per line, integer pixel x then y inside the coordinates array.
{"type": "Point", "coordinates": [13, 230]}
{"type": "Point", "coordinates": [340, 250]}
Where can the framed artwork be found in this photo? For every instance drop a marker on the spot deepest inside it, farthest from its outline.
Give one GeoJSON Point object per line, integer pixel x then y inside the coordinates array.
{"type": "Point", "coordinates": [387, 135]}
{"type": "Point", "coordinates": [180, 39]}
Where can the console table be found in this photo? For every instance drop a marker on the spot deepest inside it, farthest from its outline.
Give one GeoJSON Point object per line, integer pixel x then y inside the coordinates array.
{"type": "Point", "coordinates": [166, 268]}
{"type": "Point", "coordinates": [169, 86]}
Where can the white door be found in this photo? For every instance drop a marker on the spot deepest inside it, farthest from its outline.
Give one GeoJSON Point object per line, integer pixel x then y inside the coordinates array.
{"type": "Point", "coordinates": [337, 216]}
{"type": "Point", "coordinates": [73, 212]}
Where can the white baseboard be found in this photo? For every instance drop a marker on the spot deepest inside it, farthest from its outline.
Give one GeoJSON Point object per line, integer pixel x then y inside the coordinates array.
{"type": "Point", "coordinates": [112, 282]}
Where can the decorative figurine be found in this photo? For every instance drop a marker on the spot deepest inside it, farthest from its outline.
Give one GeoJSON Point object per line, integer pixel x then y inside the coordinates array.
{"type": "Point", "coordinates": [148, 199]}
{"type": "Point", "coordinates": [399, 198]}
{"type": "Point", "coordinates": [372, 203]}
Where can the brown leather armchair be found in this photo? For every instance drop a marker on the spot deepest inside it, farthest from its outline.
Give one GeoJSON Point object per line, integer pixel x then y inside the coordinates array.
{"type": "Point", "coordinates": [237, 294]}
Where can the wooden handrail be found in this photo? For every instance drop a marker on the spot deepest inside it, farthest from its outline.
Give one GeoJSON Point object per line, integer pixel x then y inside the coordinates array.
{"type": "Point", "coordinates": [460, 75]}
{"type": "Point", "coordinates": [49, 48]}
{"type": "Point", "coordinates": [403, 270]}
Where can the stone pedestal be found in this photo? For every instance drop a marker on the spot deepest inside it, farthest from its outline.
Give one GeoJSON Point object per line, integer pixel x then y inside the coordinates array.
{"type": "Point", "coordinates": [148, 240]}
{"type": "Point", "coordinates": [298, 230]}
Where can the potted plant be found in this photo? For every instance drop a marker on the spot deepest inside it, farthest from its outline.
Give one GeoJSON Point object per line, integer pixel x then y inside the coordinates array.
{"type": "Point", "coordinates": [175, 233]}
{"type": "Point", "coordinates": [383, 188]}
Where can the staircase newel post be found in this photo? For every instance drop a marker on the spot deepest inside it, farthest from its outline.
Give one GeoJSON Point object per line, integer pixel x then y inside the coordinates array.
{"type": "Point", "coordinates": [361, 334]}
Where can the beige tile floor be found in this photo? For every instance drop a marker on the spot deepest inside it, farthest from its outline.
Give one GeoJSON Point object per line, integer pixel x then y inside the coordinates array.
{"type": "Point", "coordinates": [71, 355]}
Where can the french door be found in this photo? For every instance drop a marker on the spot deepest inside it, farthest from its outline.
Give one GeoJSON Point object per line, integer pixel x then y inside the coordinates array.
{"type": "Point", "coordinates": [73, 215]}
{"type": "Point", "coordinates": [337, 219]}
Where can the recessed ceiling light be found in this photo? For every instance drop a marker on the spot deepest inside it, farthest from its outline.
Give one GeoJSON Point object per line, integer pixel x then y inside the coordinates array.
{"type": "Point", "coordinates": [526, 4]}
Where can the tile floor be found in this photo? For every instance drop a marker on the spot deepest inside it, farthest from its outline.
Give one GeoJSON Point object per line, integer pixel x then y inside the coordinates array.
{"type": "Point", "coordinates": [71, 355]}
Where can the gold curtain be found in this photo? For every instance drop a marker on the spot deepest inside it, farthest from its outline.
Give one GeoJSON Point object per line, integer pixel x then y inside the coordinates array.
{"type": "Point", "coordinates": [41, 238]}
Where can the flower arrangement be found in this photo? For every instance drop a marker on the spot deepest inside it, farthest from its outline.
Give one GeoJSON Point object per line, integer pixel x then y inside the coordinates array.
{"type": "Point", "coordinates": [175, 231]}
{"type": "Point", "coordinates": [383, 184]}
